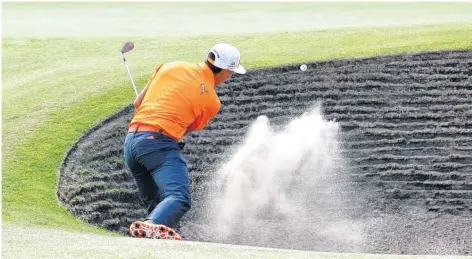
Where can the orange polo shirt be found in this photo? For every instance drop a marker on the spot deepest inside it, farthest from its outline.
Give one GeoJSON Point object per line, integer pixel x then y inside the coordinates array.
{"type": "Point", "coordinates": [179, 95]}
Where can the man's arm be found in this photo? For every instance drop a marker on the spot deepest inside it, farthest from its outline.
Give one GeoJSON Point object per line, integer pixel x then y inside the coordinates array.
{"type": "Point", "coordinates": [202, 120]}
{"type": "Point", "coordinates": [139, 99]}
{"type": "Point", "coordinates": [189, 130]}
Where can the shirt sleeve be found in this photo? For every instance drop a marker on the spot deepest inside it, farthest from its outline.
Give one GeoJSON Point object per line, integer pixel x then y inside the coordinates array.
{"type": "Point", "coordinates": [154, 73]}
{"type": "Point", "coordinates": [200, 123]}
{"type": "Point", "coordinates": [204, 118]}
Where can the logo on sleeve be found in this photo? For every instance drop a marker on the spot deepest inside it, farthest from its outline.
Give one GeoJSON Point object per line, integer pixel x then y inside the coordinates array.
{"type": "Point", "coordinates": [203, 89]}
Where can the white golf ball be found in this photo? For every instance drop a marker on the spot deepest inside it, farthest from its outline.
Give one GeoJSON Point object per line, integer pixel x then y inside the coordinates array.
{"type": "Point", "coordinates": [303, 67]}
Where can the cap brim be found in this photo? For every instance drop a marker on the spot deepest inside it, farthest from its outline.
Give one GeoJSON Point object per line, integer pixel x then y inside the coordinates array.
{"type": "Point", "coordinates": [239, 70]}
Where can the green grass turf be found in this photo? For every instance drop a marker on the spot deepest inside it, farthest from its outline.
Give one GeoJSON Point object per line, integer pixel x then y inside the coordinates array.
{"type": "Point", "coordinates": [54, 89]}
{"type": "Point", "coordinates": [164, 20]}
{"type": "Point", "coordinates": [80, 245]}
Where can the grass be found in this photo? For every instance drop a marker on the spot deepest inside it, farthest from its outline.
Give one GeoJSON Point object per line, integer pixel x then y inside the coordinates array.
{"type": "Point", "coordinates": [56, 87]}
{"type": "Point", "coordinates": [160, 20]}
{"type": "Point", "coordinates": [119, 247]}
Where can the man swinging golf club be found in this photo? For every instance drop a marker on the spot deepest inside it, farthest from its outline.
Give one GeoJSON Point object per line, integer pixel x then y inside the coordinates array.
{"type": "Point", "coordinates": [179, 98]}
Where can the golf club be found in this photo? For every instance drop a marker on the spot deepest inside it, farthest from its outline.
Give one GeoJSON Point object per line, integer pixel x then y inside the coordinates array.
{"type": "Point", "coordinates": [127, 48]}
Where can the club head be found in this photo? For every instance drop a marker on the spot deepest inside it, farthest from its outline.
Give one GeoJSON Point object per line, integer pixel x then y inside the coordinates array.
{"type": "Point", "coordinates": [127, 47]}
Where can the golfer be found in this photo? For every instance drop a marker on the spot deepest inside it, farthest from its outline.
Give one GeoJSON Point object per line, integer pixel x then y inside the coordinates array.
{"type": "Point", "coordinates": [179, 98]}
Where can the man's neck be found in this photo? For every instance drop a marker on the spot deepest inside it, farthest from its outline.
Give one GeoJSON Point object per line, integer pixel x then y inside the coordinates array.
{"type": "Point", "coordinates": [207, 70]}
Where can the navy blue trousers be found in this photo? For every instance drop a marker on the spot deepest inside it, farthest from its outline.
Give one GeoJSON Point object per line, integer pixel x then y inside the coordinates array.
{"type": "Point", "coordinates": [161, 174]}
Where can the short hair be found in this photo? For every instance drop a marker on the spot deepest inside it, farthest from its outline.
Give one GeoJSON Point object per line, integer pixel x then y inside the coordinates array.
{"type": "Point", "coordinates": [213, 68]}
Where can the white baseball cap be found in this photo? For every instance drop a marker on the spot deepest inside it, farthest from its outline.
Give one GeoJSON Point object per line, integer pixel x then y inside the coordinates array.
{"type": "Point", "coordinates": [227, 57]}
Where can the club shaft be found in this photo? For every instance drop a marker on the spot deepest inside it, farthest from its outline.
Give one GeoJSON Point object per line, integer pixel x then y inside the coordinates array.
{"type": "Point", "coordinates": [129, 73]}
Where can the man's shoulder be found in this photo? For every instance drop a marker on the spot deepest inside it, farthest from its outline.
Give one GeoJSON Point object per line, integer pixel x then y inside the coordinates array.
{"type": "Point", "coordinates": [187, 70]}
{"type": "Point", "coordinates": [179, 64]}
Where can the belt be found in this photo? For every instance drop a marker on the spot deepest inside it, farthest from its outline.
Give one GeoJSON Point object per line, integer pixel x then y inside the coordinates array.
{"type": "Point", "coordinates": [149, 128]}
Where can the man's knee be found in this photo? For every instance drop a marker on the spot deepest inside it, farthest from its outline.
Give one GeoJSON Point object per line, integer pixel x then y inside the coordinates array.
{"type": "Point", "coordinates": [184, 201]}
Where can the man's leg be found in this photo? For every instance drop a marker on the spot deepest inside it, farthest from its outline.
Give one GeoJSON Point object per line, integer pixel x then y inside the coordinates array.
{"type": "Point", "coordinates": [147, 188]}
{"type": "Point", "coordinates": [172, 179]}
{"type": "Point", "coordinates": [156, 153]}
{"type": "Point", "coordinates": [146, 185]}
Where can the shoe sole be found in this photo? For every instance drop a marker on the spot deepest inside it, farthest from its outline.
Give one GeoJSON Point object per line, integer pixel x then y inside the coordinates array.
{"type": "Point", "coordinates": [147, 230]}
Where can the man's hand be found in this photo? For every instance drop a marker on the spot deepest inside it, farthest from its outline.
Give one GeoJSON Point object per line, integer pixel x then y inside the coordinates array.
{"type": "Point", "coordinates": [189, 130]}
{"type": "Point", "coordinates": [140, 97]}
{"type": "Point", "coordinates": [181, 145]}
